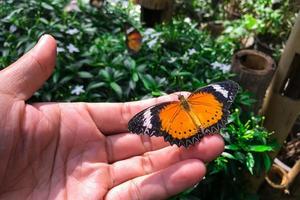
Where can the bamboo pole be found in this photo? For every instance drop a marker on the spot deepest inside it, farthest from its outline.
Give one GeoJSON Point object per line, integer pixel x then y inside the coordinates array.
{"type": "Point", "coordinates": [282, 105]}
{"type": "Point", "coordinates": [280, 108]}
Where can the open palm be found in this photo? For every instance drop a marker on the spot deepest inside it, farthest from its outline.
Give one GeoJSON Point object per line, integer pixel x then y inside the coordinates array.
{"type": "Point", "coordinates": [83, 150]}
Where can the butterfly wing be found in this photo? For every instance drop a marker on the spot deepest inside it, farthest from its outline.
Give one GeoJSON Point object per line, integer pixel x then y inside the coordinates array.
{"type": "Point", "coordinates": [177, 127]}
{"type": "Point", "coordinates": [168, 120]}
{"type": "Point", "coordinates": [133, 39]}
{"type": "Point", "coordinates": [211, 105]}
{"type": "Point", "coordinates": [148, 121]}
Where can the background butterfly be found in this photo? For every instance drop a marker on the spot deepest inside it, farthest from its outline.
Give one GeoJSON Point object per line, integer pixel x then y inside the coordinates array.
{"type": "Point", "coordinates": [186, 121]}
{"type": "Point", "coordinates": [97, 3]}
{"type": "Point", "coordinates": [133, 39]}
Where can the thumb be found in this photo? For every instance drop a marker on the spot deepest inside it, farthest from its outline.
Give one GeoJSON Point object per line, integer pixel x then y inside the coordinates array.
{"type": "Point", "coordinates": [22, 78]}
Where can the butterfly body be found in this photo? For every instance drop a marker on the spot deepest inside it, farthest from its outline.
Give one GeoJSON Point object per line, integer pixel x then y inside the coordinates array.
{"type": "Point", "coordinates": [186, 121]}
{"type": "Point", "coordinates": [133, 39]}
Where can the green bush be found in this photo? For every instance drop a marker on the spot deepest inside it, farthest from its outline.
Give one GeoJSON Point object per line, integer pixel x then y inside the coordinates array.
{"type": "Point", "coordinates": [93, 65]}
{"type": "Point", "coordinates": [261, 19]}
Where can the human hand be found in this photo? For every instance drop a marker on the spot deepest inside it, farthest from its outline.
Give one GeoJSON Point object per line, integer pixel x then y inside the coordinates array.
{"type": "Point", "coordinates": [83, 150]}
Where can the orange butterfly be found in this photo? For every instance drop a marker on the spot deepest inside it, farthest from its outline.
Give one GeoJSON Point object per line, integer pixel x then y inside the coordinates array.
{"type": "Point", "coordinates": [134, 39]}
{"type": "Point", "coordinates": [186, 121]}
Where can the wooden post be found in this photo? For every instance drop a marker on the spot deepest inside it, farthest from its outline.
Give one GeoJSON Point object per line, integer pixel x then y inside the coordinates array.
{"type": "Point", "coordinates": [282, 105]}
{"type": "Point", "coordinates": [254, 71]}
{"type": "Point", "coordinates": [155, 11]}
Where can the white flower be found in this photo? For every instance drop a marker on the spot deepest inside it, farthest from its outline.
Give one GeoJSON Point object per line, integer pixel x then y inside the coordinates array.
{"type": "Point", "coordinates": [60, 49]}
{"type": "Point", "coordinates": [151, 43]}
{"type": "Point", "coordinates": [72, 31]}
{"type": "Point", "coordinates": [185, 57]}
{"type": "Point", "coordinates": [150, 34]}
{"type": "Point", "coordinates": [191, 51]}
{"type": "Point", "coordinates": [12, 28]}
{"type": "Point", "coordinates": [172, 59]}
{"type": "Point", "coordinates": [224, 67]}
{"type": "Point", "coordinates": [71, 48]}
{"type": "Point", "coordinates": [124, 4]}
{"type": "Point", "coordinates": [187, 20]}
{"type": "Point", "coordinates": [149, 31]}
{"type": "Point", "coordinates": [78, 89]}
{"type": "Point", "coordinates": [151, 37]}
{"type": "Point", "coordinates": [216, 65]}
{"type": "Point", "coordinates": [135, 11]}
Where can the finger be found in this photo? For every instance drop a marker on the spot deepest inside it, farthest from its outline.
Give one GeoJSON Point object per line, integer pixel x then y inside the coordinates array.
{"type": "Point", "coordinates": [123, 146]}
{"type": "Point", "coordinates": [113, 118]}
{"type": "Point", "coordinates": [162, 184]}
{"type": "Point", "coordinates": [150, 162]}
{"type": "Point", "coordinates": [26, 75]}
{"type": "Point", "coordinates": [126, 145]}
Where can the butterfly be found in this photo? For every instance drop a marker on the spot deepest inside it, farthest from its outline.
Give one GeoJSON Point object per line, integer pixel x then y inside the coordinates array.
{"type": "Point", "coordinates": [96, 3]}
{"type": "Point", "coordinates": [134, 39]}
{"type": "Point", "coordinates": [186, 121]}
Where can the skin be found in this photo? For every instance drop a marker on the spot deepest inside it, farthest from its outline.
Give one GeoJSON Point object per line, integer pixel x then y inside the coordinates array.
{"type": "Point", "coordinates": [83, 150]}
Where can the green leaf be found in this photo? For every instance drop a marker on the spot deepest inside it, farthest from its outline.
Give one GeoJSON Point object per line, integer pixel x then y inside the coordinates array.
{"type": "Point", "coordinates": [47, 6]}
{"type": "Point", "coordinates": [104, 74]}
{"type": "Point", "coordinates": [148, 81]}
{"type": "Point", "coordinates": [250, 162]}
{"type": "Point", "coordinates": [56, 76]}
{"type": "Point", "coordinates": [232, 147]}
{"type": "Point", "coordinates": [9, 17]}
{"type": "Point", "coordinates": [129, 63]}
{"type": "Point", "coordinates": [116, 88]}
{"type": "Point", "coordinates": [260, 148]}
{"type": "Point", "coordinates": [267, 161]}
{"type": "Point", "coordinates": [84, 74]}
{"type": "Point", "coordinates": [156, 93]}
{"type": "Point", "coordinates": [117, 60]}
{"type": "Point", "coordinates": [135, 77]}
{"type": "Point", "coordinates": [65, 80]}
{"type": "Point", "coordinates": [184, 73]}
{"type": "Point", "coordinates": [251, 22]}
{"type": "Point", "coordinates": [132, 85]}
{"type": "Point", "coordinates": [228, 155]}
{"type": "Point", "coordinates": [240, 156]}
{"type": "Point", "coordinates": [92, 86]}
{"type": "Point", "coordinates": [43, 20]}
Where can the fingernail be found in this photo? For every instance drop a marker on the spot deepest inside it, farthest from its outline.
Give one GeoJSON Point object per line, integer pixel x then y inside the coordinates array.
{"type": "Point", "coordinates": [42, 37]}
{"type": "Point", "coordinates": [42, 41]}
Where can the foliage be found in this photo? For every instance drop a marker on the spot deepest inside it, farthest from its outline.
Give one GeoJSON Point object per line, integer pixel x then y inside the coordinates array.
{"type": "Point", "coordinates": [80, 36]}
{"type": "Point", "coordinates": [93, 64]}
{"type": "Point", "coordinates": [92, 53]}
{"type": "Point", "coordinates": [261, 19]}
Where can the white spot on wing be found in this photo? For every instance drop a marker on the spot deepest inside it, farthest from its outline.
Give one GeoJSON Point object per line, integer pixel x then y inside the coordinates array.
{"type": "Point", "coordinates": [221, 90]}
{"type": "Point", "coordinates": [147, 119]}
{"type": "Point", "coordinates": [128, 31]}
